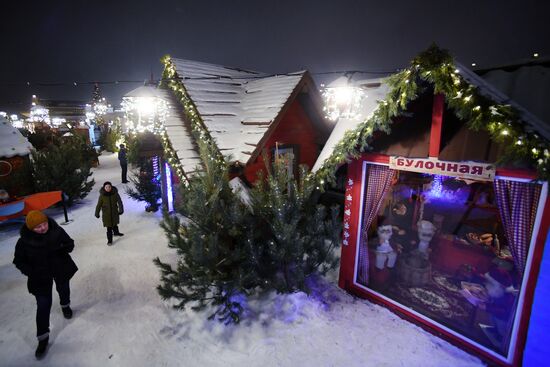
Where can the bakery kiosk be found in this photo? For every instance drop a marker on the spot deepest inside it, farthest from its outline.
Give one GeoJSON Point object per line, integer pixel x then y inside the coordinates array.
{"type": "Point", "coordinates": [436, 227]}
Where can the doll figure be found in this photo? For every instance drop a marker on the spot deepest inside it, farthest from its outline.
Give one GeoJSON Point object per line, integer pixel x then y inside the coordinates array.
{"type": "Point", "coordinates": [426, 231]}
{"type": "Point", "coordinates": [384, 251]}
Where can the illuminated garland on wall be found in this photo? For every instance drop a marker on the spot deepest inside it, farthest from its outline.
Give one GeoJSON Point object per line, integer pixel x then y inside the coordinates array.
{"type": "Point", "coordinates": [201, 135]}
{"type": "Point", "coordinates": [436, 67]}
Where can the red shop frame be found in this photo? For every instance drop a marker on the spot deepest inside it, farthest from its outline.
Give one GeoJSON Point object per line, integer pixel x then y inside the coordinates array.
{"type": "Point", "coordinates": [348, 266]}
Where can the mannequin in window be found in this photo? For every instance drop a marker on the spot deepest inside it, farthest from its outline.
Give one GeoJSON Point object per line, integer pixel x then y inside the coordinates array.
{"type": "Point", "coordinates": [426, 231]}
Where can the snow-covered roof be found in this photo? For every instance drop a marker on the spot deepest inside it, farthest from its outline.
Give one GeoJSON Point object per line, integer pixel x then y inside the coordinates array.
{"type": "Point", "coordinates": [144, 91]}
{"type": "Point", "coordinates": [375, 91]}
{"type": "Point", "coordinates": [179, 134]}
{"type": "Point", "coordinates": [533, 123]}
{"type": "Point", "coordinates": [237, 106]}
{"type": "Point", "coordinates": [12, 143]}
{"type": "Point", "coordinates": [527, 84]}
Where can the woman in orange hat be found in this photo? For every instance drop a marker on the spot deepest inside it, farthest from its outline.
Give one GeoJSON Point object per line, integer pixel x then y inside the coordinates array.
{"type": "Point", "coordinates": [42, 254]}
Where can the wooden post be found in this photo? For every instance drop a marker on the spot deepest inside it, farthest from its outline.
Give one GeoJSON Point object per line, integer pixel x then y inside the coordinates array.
{"type": "Point", "coordinates": [437, 123]}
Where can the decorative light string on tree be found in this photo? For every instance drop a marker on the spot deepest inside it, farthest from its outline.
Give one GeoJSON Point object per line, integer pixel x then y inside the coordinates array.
{"type": "Point", "coordinates": [436, 67]}
{"type": "Point", "coordinates": [198, 130]}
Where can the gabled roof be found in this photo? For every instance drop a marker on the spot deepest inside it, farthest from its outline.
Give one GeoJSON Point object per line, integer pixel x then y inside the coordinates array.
{"type": "Point", "coordinates": [375, 91]}
{"type": "Point", "coordinates": [179, 134]}
{"type": "Point", "coordinates": [469, 96]}
{"type": "Point", "coordinates": [527, 83]}
{"type": "Point", "coordinates": [237, 106]}
{"type": "Point", "coordinates": [534, 124]}
{"type": "Point", "coordinates": [12, 143]}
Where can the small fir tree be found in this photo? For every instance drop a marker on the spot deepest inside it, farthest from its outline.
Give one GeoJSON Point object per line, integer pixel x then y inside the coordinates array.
{"type": "Point", "coordinates": [216, 264]}
{"type": "Point", "coordinates": [299, 236]}
{"type": "Point", "coordinates": [147, 185]}
{"type": "Point", "coordinates": [110, 136]}
{"type": "Point", "coordinates": [62, 167]}
{"type": "Point", "coordinates": [96, 94]}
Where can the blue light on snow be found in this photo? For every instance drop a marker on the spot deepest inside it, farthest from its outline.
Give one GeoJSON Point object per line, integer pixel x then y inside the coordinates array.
{"type": "Point", "coordinates": [169, 187]}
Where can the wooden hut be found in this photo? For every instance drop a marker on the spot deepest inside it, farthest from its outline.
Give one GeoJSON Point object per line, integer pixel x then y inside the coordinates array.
{"type": "Point", "coordinates": [437, 227]}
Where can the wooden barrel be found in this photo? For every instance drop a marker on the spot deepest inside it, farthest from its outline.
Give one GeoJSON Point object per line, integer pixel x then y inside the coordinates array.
{"type": "Point", "coordinates": [415, 270]}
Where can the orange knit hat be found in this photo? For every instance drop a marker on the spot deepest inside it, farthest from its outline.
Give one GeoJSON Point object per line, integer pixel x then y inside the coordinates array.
{"type": "Point", "coordinates": [34, 218]}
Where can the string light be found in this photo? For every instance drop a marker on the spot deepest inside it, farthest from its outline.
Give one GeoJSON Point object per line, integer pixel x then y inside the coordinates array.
{"type": "Point", "coordinates": [145, 113]}
{"type": "Point", "coordinates": [342, 99]}
{"type": "Point", "coordinates": [503, 123]}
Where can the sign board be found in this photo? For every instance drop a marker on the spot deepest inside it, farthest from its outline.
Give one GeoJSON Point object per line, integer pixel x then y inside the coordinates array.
{"type": "Point", "coordinates": [467, 170]}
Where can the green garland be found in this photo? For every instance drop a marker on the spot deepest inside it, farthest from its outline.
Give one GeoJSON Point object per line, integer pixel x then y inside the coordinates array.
{"type": "Point", "coordinates": [436, 67]}
{"type": "Point", "coordinates": [199, 132]}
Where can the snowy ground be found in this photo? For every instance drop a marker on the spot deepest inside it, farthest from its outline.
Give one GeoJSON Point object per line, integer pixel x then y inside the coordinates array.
{"type": "Point", "coordinates": [119, 319]}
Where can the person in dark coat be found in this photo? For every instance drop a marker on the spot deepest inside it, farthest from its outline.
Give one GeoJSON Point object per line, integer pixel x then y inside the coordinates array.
{"type": "Point", "coordinates": [123, 162]}
{"type": "Point", "coordinates": [42, 254]}
{"type": "Point", "coordinates": [110, 204]}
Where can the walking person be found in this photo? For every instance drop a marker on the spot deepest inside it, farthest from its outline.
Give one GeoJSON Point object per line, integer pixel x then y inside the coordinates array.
{"type": "Point", "coordinates": [110, 204]}
{"type": "Point", "coordinates": [42, 254]}
{"type": "Point", "coordinates": [123, 162]}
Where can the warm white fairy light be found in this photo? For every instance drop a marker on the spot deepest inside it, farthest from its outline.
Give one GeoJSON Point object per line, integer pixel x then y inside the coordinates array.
{"type": "Point", "coordinates": [100, 108]}
{"type": "Point", "coordinates": [57, 121]}
{"type": "Point", "coordinates": [342, 99]}
{"type": "Point", "coordinates": [15, 121]}
{"type": "Point", "coordinates": [39, 114]}
{"type": "Point", "coordinates": [145, 113]}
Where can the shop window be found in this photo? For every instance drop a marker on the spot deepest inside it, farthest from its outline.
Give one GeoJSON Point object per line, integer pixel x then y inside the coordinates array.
{"type": "Point", "coordinates": [439, 247]}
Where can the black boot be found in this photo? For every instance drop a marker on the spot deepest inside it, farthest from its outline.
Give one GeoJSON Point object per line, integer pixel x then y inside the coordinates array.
{"type": "Point", "coordinates": [42, 348]}
{"type": "Point", "coordinates": [117, 232]}
{"type": "Point", "coordinates": [67, 312]}
{"type": "Point", "coordinates": [109, 238]}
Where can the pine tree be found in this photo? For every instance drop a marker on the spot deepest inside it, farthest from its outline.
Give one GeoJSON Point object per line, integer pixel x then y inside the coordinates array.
{"type": "Point", "coordinates": [110, 136]}
{"type": "Point", "coordinates": [96, 94]}
{"type": "Point", "coordinates": [63, 167]}
{"type": "Point", "coordinates": [147, 185]}
{"type": "Point", "coordinates": [215, 244]}
{"type": "Point", "coordinates": [96, 100]}
{"type": "Point", "coordinates": [298, 237]}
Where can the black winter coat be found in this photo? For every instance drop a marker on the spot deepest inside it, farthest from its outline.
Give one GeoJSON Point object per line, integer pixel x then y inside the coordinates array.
{"type": "Point", "coordinates": [43, 257]}
{"type": "Point", "coordinates": [110, 205]}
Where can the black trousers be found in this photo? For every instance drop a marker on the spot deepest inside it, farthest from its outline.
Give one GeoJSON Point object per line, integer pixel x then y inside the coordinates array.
{"type": "Point", "coordinates": [44, 305]}
{"type": "Point", "coordinates": [124, 167]}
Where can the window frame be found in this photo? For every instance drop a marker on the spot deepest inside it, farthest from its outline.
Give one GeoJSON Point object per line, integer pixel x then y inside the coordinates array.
{"type": "Point", "coordinates": [518, 325]}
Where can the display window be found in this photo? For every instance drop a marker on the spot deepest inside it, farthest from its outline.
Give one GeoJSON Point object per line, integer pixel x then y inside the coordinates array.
{"type": "Point", "coordinates": [452, 251]}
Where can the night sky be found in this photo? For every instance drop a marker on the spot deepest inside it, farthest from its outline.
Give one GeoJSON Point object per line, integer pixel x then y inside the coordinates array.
{"type": "Point", "coordinates": [110, 40]}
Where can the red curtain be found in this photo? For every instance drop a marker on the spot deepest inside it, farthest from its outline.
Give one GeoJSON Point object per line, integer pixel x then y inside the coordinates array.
{"type": "Point", "coordinates": [517, 204]}
{"type": "Point", "coordinates": [377, 186]}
